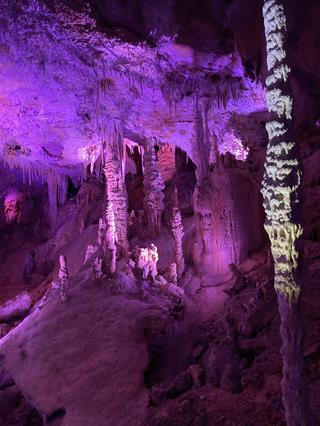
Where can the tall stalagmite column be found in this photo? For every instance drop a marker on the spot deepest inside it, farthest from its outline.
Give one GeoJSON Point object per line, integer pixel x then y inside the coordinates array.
{"type": "Point", "coordinates": [109, 243]}
{"type": "Point", "coordinates": [153, 187]}
{"type": "Point", "coordinates": [178, 232]}
{"type": "Point", "coordinates": [116, 198]}
{"type": "Point", "coordinates": [280, 192]}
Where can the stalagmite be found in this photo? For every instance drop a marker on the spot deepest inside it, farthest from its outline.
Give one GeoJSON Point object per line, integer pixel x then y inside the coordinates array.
{"type": "Point", "coordinates": [178, 232]}
{"type": "Point", "coordinates": [91, 250]}
{"type": "Point", "coordinates": [110, 248]}
{"type": "Point", "coordinates": [172, 274]}
{"type": "Point", "coordinates": [142, 262]}
{"type": "Point", "coordinates": [101, 232]}
{"type": "Point", "coordinates": [63, 278]}
{"type": "Point", "coordinates": [153, 189]}
{"type": "Point", "coordinates": [97, 269]}
{"type": "Point", "coordinates": [146, 261]}
{"type": "Point", "coordinates": [153, 260]}
{"type": "Point", "coordinates": [280, 191]}
{"type": "Point", "coordinates": [117, 195]}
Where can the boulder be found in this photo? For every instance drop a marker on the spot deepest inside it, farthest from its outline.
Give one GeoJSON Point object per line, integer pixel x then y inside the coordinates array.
{"type": "Point", "coordinates": [15, 308]}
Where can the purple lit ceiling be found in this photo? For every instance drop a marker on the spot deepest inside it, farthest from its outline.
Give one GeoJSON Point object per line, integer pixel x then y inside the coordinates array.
{"type": "Point", "coordinates": [64, 87]}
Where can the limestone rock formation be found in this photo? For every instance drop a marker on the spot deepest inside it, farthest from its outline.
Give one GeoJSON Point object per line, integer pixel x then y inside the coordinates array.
{"type": "Point", "coordinates": [146, 261]}
{"type": "Point", "coordinates": [224, 205]}
{"type": "Point", "coordinates": [153, 187]}
{"type": "Point", "coordinates": [178, 233]}
{"type": "Point", "coordinates": [63, 278]}
{"type": "Point", "coordinates": [15, 308]}
{"type": "Point", "coordinates": [133, 139]}
{"type": "Point", "coordinates": [116, 205]}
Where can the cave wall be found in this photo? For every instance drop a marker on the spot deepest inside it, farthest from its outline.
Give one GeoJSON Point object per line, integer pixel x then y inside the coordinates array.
{"type": "Point", "coordinates": [229, 217]}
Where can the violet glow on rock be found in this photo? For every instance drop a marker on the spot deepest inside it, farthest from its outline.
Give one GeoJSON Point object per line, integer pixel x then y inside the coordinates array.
{"type": "Point", "coordinates": [63, 89]}
{"type": "Point", "coordinates": [134, 260]}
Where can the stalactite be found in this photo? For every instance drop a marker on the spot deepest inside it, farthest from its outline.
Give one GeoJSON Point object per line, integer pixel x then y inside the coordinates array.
{"type": "Point", "coordinates": [280, 191]}
{"type": "Point", "coordinates": [153, 186]}
{"type": "Point", "coordinates": [53, 200]}
{"type": "Point", "coordinates": [57, 194]}
{"type": "Point", "coordinates": [63, 278]}
{"type": "Point", "coordinates": [178, 232]}
{"type": "Point", "coordinates": [202, 146]}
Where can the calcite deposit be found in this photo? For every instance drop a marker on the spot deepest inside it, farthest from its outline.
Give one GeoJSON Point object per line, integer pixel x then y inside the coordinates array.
{"type": "Point", "coordinates": [159, 213]}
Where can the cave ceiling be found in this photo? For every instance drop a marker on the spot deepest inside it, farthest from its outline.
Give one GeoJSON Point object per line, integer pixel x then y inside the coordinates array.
{"type": "Point", "coordinates": [73, 75]}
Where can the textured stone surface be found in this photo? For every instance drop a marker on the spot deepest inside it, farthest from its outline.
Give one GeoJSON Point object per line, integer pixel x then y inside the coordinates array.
{"type": "Point", "coordinates": [15, 308]}
{"type": "Point", "coordinates": [224, 206]}
{"type": "Point", "coordinates": [92, 342]}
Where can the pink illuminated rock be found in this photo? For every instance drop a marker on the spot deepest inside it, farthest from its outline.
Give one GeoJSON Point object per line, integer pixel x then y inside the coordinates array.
{"type": "Point", "coordinates": [153, 187]}
{"type": "Point", "coordinates": [146, 261]}
{"type": "Point", "coordinates": [63, 279]}
{"type": "Point", "coordinates": [178, 233]}
{"type": "Point", "coordinates": [16, 307]}
{"type": "Point", "coordinates": [116, 206]}
{"type": "Point", "coordinates": [12, 206]}
{"type": "Point", "coordinates": [224, 205]}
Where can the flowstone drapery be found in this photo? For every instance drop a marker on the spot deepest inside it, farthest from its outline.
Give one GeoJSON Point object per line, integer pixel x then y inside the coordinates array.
{"type": "Point", "coordinates": [280, 191]}
{"type": "Point", "coordinates": [153, 186]}
{"type": "Point", "coordinates": [224, 204]}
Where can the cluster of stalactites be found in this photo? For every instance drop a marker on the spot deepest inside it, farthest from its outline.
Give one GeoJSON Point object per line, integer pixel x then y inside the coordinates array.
{"type": "Point", "coordinates": [153, 186]}
{"type": "Point", "coordinates": [282, 174]}
{"type": "Point", "coordinates": [178, 232]}
{"type": "Point", "coordinates": [116, 205]}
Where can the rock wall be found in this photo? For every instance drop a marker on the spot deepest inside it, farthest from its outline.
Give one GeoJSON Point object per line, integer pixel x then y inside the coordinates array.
{"type": "Point", "coordinates": [229, 217]}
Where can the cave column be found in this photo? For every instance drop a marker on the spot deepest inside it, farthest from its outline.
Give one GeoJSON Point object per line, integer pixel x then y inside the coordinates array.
{"type": "Point", "coordinates": [280, 192]}
{"type": "Point", "coordinates": [178, 232]}
{"type": "Point", "coordinates": [153, 187]}
{"type": "Point", "coordinates": [116, 203]}
{"type": "Point", "coordinates": [109, 240]}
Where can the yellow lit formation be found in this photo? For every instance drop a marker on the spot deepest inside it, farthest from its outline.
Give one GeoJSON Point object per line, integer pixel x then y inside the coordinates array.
{"type": "Point", "coordinates": [282, 175]}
